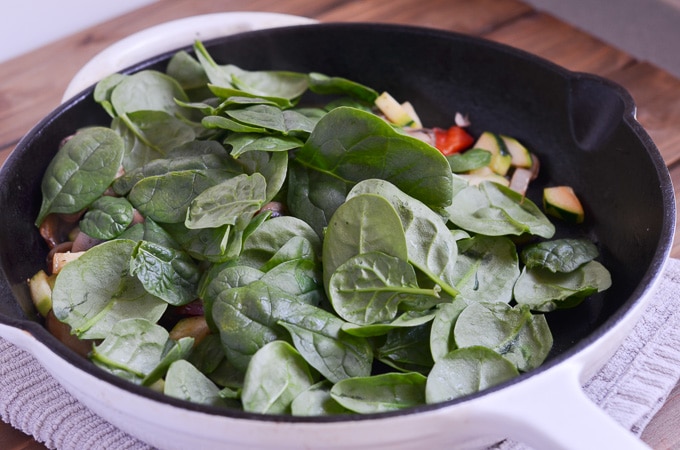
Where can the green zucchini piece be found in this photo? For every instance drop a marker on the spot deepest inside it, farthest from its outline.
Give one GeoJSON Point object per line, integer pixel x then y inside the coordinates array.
{"type": "Point", "coordinates": [501, 158]}
{"type": "Point", "coordinates": [562, 202]}
{"type": "Point", "coordinates": [393, 110]}
{"type": "Point", "coordinates": [521, 157]}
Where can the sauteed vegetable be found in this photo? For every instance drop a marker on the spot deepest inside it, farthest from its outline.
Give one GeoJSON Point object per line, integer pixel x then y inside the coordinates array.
{"type": "Point", "coordinates": [228, 244]}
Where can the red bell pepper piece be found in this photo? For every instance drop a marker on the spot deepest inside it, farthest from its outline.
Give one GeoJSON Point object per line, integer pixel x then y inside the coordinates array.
{"type": "Point", "coordinates": [453, 140]}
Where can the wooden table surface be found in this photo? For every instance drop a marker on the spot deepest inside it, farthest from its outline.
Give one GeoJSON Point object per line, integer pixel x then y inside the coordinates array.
{"type": "Point", "coordinates": [32, 85]}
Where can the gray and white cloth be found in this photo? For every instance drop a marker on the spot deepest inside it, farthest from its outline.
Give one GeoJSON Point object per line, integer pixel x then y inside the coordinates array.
{"type": "Point", "coordinates": [631, 387]}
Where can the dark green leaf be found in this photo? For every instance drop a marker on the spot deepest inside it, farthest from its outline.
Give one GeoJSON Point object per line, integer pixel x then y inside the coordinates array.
{"type": "Point", "coordinates": [275, 376]}
{"type": "Point", "coordinates": [560, 255]}
{"type": "Point", "coordinates": [81, 171]}
{"type": "Point", "coordinates": [381, 393]}
{"type": "Point", "coordinates": [95, 291]}
{"type": "Point", "coordinates": [167, 273]}
{"type": "Point", "coordinates": [107, 218]}
{"type": "Point", "coordinates": [466, 371]}
{"type": "Point", "coordinates": [474, 158]}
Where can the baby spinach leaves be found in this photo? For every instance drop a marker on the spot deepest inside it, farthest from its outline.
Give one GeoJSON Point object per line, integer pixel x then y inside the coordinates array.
{"type": "Point", "coordinates": [96, 291]}
{"type": "Point", "coordinates": [81, 171]}
{"type": "Point", "coordinates": [368, 147]}
{"type": "Point", "coordinates": [167, 273]}
{"type": "Point", "coordinates": [381, 393]}
{"type": "Point", "coordinates": [276, 376]}
{"type": "Point", "coordinates": [494, 210]}
{"type": "Point", "coordinates": [543, 290]}
{"type": "Point", "coordinates": [107, 218]}
{"type": "Point", "coordinates": [559, 255]}
{"type": "Point", "coordinates": [339, 263]}
{"type": "Point", "coordinates": [466, 371]}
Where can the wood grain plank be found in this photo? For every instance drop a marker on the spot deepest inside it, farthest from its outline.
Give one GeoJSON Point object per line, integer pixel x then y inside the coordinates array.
{"type": "Point", "coordinates": [657, 95]}
{"type": "Point", "coordinates": [663, 432]}
{"type": "Point", "coordinates": [545, 36]}
{"type": "Point", "coordinates": [464, 16]}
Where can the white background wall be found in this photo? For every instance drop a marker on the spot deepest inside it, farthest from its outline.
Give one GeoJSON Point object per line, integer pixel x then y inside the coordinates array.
{"type": "Point", "coordinates": [29, 24]}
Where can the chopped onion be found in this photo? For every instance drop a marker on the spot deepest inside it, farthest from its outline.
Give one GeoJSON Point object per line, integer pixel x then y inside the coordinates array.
{"type": "Point", "coordinates": [461, 120]}
{"type": "Point", "coordinates": [520, 180]}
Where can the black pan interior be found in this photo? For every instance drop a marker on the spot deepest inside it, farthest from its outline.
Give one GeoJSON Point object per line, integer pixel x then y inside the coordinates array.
{"type": "Point", "coordinates": [581, 127]}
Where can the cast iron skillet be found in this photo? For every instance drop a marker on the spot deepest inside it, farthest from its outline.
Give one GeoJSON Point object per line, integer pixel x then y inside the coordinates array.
{"type": "Point", "coordinates": [581, 126]}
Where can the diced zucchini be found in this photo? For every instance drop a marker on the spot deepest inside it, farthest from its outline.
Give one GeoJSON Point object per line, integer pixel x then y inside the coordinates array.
{"type": "Point", "coordinates": [562, 202]}
{"type": "Point", "coordinates": [40, 287]}
{"type": "Point", "coordinates": [411, 111]}
{"type": "Point", "coordinates": [500, 157]}
{"type": "Point", "coordinates": [393, 111]}
{"type": "Point", "coordinates": [521, 157]}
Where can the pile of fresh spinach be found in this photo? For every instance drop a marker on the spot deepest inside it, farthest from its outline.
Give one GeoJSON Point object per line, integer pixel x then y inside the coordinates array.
{"type": "Point", "coordinates": [391, 282]}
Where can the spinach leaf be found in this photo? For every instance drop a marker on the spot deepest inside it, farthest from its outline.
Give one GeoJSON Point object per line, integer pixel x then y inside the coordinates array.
{"type": "Point", "coordinates": [442, 339]}
{"type": "Point", "coordinates": [380, 393]}
{"type": "Point", "coordinates": [147, 90]}
{"type": "Point", "coordinates": [103, 89]}
{"type": "Point", "coordinates": [313, 196]}
{"type": "Point", "coordinates": [96, 291]}
{"type": "Point", "coordinates": [369, 147]}
{"type": "Point", "coordinates": [81, 171]}
{"type": "Point", "coordinates": [521, 337]}
{"type": "Point", "coordinates": [107, 218]}
{"type": "Point", "coordinates": [275, 376]}
{"type": "Point", "coordinates": [174, 351]}
{"type": "Point", "coordinates": [299, 277]}
{"type": "Point", "coordinates": [167, 273]}
{"type": "Point", "coordinates": [465, 371]}
{"type": "Point", "coordinates": [186, 70]}
{"type": "Point", "coordinates": [318, 336]}
{"type": "Point", "coordinates": [559, 255]}
{"type": "Point", "coordinates": [149, 231]}
{"type": "Point", "coordinates": [274, 119]}
{"type": "Point", "coordinates": [487, 268]}
{"type": "Point", "coordinates": [158, 130]}
{"type": "Point", "coordinates": [231, 276]}
{"type": "Point", "coordinates": [273, 166]}
{"type": "Point", "coordinates": [249, 142]}
{"type": "Point", "coordinates": [542, 290]}
{"type": "Point", "coordinates": [201, 162]}
{"type": "Point", "coordinates": [407, 349]}
{"type": "Point", "coordinates": [205, 244]}
{"type": "Point", "coordinates": [406, 320]}
{"type": "Point", "coordinates": [247, 317]}
{"type": "Point", "coordinates": [133, 345]}
{"type": "Point", "coordinates": [474, 158]}
{"type": "Point", "coordinates": [430, 245]}
{"type": "Point", "coordinates": [296, 248]}
{"type": "Point", "coordinates": [225, 123]}
{"type": "Point", "coordinates": [250, 317]}
{"type": "Point", "coordinates": [368, 288]}
{"type": "Point", "coordinates": [365, 223]}
{"type": "Point", "coordinates": [495, 210]}
{"type": "Point", "coordinates": [272, 235]}
{"type": "Point", "coordinates": [166, 198]}
{"type": "Point", "coordinates": [233, 201]}
{"type": "Point", "coordinates": [325, 85]}
{"type": "Point", "coordinates": [186, 382]}
{"type": "Point", "coordinates": [236, 81]}
{"type": "Point", "coordinates": [316, 400]}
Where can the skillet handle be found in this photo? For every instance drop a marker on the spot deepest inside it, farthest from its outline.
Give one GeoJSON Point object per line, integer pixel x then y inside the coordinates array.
{"type": "Point", "coordinates": [551, 410]}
